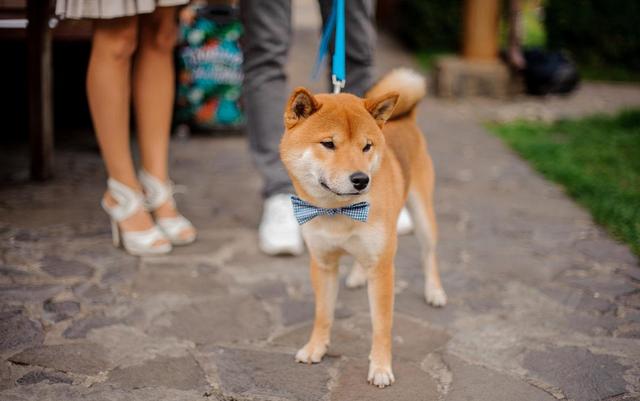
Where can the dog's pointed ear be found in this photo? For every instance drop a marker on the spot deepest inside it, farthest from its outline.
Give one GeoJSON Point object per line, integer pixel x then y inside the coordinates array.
{"type": "Point", "coordinates": [301, 105]}
{"type": "Point", "coordinates": [381, 107]}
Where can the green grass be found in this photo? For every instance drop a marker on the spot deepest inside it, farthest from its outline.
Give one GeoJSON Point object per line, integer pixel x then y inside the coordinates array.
{"type": "Point", "coordinates": [596, 159]}
{"type": "Point", "coordinates": [608, 73]}
{"type": "Point", "coordinates": [427, 58]}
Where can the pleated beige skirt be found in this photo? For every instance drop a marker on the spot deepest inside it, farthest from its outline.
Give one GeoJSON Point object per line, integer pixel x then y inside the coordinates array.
{"type": "Point", "coordinates": [78, 9]}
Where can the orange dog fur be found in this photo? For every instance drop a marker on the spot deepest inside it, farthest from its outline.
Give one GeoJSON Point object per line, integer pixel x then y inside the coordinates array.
{"type": "Point", "coordinates": [327, 139]}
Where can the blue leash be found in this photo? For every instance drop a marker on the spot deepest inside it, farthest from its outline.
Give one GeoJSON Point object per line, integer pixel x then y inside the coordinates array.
{"type": "Point", "coordinates": [338, 65]}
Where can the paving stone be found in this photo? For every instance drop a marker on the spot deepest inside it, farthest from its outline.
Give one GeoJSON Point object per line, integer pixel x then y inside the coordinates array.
{"type": "Point", "coordinates": [254, 261]}
{"type": "Point", "coordinates": [259, 374]}
{"type": "Point", "coordinates": [12, 272]}
{"type": "Point", "coordinates": [605, 251]}
{"type": "Point", "coordinates": [93, 293]}
{"type": "Point", "coordinates": [57, 267]}
{"type": "Point", "coordinates": [126, 346]}
{"type": "Point", "coordinates": [630, 330]}
{"type": "Point", "coordinates": [413, 341]}
{"type": "Point", "coordinates": [81, 327]}
{"type": "Point", "coordinates": [100, 392]}
{"type": "Point", "coordinates": [17, 330]}
{"type": "Point", "coordinates": [182, 373]}
{"type": "Point", "coordinates": [631, 315]}
{"type": "Point", "coordinates": [472, 382]}
{"type": "Point", "coordinates": [355, 299]}
{"type": "Point", "coordinates": [188, 280]}
{"type": "Point", "coordinates": [294, 311]}
{"type": "Point", "coordinates": [632, 272]}
{"type": "Point", "coordinates": [208, 241]}
{"type": "Point", "coordinates": [484, 301]}
{"type": "Point", "coordinates": [269, 290]}
{"type": "Point", "coordinates": [6, 381]}
{"type": "Point", "coordinates": [116, 266]}
{"type": "Point", "coordinates": [84, 358]}
{"type": "Point", "coordinates": [592, 325]}
{"type": "Point", "coordinates": [62, 310]}
{"type": "Point", "coordinates": [27, 236]}
{"type": "Point", "coordinates": [234, 318]}
{"type": "Point", "coordinates": [345, 341]}
{"type": "Point", "coordinates": [119, 271]}
{"type": "Point", "coordinates": [342, 312]}
{"type": "Point", "coordinates": [631, 300]}
{"type": "Point", "coordinates": [37, 376]}
{"type": "Point", "coordinates": [591, 303]}
{"type": "Point", "coordinates": [584, 301]}
{"type": "Point", "coordinates": [412, 303]}
{"type": "Point", "coordinates": [610, 286]}
{"type": "Point", "coordinates": [28, 293]}
{"type": "Point", "coordinates": [104, 250]}
{"type": "Point", "coordinates": [412, 384]}
{"type": "Point", "coordinates": [580, 374]}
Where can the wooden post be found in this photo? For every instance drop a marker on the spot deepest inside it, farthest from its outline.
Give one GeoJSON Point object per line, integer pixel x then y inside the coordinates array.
{"type": "Point", "coordinates": [40, 90]}
{"type": "Point", "coordinates": [479, 71]}
{"type": "Point", "coordinates": [481, 30]}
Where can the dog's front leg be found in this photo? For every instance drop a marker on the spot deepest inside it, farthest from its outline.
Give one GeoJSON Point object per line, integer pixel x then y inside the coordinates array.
{"type": "Point", "coordinates": [324, 279]}
{"type": "Point", "coordinates": [380, 292]}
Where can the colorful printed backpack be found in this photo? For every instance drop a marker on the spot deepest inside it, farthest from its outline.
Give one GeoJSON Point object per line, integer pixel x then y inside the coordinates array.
{"type": "Point", "coordinates": [209, 68]}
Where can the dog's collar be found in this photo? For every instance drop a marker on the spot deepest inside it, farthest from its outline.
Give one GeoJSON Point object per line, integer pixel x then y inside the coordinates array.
{"type": "Point", "coordinates": [304, 211]}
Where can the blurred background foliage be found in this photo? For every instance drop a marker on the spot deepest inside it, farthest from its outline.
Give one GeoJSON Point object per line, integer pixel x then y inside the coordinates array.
{"type": "Point", "coordinates": [429, 25]}
{"type": "Point", "coordinates": [602, 36]}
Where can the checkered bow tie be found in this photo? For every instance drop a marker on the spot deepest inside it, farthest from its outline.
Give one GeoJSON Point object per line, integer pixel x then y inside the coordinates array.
{"type": "Point", "coordinates": [305, 211]}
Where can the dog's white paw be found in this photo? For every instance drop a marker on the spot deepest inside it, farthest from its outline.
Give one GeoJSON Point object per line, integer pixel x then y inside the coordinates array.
{"type": "Point", "coordinates": [380, 377]}
{"type": "Point", "coordinates": [357, 277]}
{"type": "Point", "coordinates": [435, 296]}
{"type": "Point", "coordinates": [311, 353]}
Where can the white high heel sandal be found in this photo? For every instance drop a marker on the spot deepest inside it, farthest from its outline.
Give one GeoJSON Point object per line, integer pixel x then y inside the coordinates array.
{"type": "Point", "coordinates": [157, 194]}
{"type": "Point", "coordinates": [129, 202]}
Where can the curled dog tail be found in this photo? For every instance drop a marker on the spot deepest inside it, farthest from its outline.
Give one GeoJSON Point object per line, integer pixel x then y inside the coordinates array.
{"type": "Point", "coordinates": [411, 86]}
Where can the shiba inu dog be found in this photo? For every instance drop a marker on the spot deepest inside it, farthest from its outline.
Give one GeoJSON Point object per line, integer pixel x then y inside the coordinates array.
{"type": "Point", "coordinates": [350, 160]}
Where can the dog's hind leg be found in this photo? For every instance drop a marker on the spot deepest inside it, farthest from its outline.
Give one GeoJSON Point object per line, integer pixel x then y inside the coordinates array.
{"type": "Point", "coordinates": [324, 278]}
{"type": "Point", "coordinates": [426, 229]}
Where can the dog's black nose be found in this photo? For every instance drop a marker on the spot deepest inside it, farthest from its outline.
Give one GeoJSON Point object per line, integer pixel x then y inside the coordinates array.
{"type": "Point", "coordinates": [360, 180]}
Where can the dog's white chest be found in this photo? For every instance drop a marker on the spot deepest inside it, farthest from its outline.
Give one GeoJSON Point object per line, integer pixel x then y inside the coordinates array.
{"type": "Point", "coordinates": [365, 241]}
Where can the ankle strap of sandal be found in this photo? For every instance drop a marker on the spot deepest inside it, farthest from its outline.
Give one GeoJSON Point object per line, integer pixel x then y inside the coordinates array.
{"type": "Point", "coordinates": [128, 200]}
{"type": "Point", "coordinates": [157, 192]}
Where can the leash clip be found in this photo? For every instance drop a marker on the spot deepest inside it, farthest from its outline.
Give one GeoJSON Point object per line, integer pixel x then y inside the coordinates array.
{"type": "Point", "coordinates": [338, 84]}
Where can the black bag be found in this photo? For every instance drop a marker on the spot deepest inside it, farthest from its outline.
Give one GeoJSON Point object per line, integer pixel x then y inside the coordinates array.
{"type": "Point", "coordinates": [549, 72]}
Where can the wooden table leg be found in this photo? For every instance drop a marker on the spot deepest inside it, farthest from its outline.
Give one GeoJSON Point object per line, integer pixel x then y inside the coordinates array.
{"type": "Point", "coordinates": [40, 90]}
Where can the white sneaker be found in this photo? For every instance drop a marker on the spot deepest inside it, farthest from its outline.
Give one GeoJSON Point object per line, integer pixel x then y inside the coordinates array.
{"type": "Point", "coordinates": [279, 232]}
{"type": "Point", "coordinates": [405, 224]}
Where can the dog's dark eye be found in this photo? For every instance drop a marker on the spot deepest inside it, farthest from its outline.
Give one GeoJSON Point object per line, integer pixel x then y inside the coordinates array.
{"type": "Point", "coordinates": [366, 148]}
{"type": "Point", "coordinates": [328, 144]}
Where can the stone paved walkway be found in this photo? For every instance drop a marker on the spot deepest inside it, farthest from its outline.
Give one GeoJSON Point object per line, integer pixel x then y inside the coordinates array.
{"type": "Point", "coordinates": [543, 304]}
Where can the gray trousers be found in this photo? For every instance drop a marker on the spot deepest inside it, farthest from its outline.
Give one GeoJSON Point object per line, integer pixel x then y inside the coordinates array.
{"type": "Point", "coordinates": [265, 45]}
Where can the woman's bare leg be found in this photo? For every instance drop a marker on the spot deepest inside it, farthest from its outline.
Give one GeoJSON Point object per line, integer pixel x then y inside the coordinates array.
{"type": "Point", "coordinates": [109, 93]}
{"type": "Point", "coordinates": [153, 93]}
{"type": "Point", "coordinates": [153, 88]}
